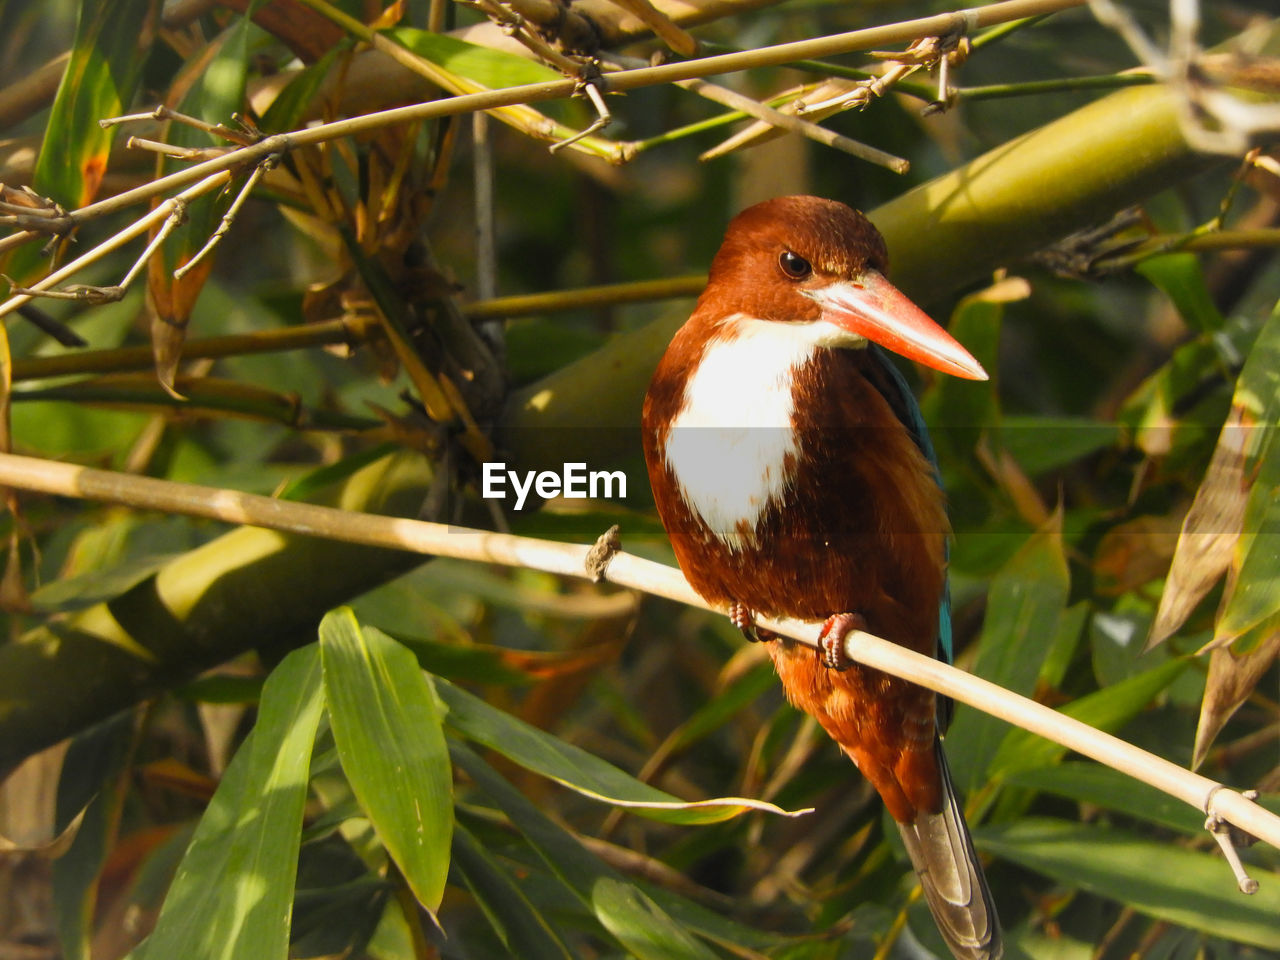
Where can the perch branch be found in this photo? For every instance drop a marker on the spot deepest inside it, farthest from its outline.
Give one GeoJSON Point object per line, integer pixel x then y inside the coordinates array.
{"type": "Point", "coordinates": [1217, 801]}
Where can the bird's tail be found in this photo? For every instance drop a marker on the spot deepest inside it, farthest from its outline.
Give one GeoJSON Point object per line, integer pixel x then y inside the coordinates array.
{"type": "Point", "coordinates": [954, 886]}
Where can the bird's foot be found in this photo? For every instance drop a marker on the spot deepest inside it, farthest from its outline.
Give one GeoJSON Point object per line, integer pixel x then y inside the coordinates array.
{"type": "Point", "coordinates": [740, 616]}
{"type": "Point", "coordinates": [831, 639]}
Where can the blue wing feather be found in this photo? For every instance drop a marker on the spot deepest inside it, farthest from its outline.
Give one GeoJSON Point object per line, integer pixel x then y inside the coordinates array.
{"type": "Point", "coordinates": [908, 411]}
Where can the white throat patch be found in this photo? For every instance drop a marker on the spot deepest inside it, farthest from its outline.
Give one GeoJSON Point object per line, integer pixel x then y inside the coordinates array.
{"type": "Point", "coordinates": [730, 440]}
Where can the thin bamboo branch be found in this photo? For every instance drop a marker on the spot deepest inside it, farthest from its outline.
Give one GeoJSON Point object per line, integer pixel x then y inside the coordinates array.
{"type": "Point", "coordinates": [354, 330]}
{"type": "Point", "coordinates": [1031, 88]}
{"type": "Point", "coordinates": [351, 331]}
{"type": "Point", "coordinates": [865, 39]}
{"type": "Point", "coordinates": [229, 217]}
{"type": "Point", "coordinates": [608, 25]}
{"type": "Point", "coordinates": [795, 124]}
{"type": "Point", "coordinates": [627, 570]}
{"type": "Point", "coordinates": [1195, 240]}
{"type": "Point", "coordinates": [584, 298]}
{"type": "Point", "coordinates": [199, 396]}
{"type": "Point", "coordinates": [161, 213]}
{"type": "Point", "coordinates": [513, 25]}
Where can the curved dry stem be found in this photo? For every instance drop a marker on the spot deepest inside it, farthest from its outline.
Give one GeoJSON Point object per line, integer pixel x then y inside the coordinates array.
{"type": "Point", "coordinates": [627, 570]}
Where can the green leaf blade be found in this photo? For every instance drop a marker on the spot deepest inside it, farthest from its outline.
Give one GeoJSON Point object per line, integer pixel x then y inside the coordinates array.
{"type": "Point", "coordinates": [514, 919]}
{"type": "Point", "coordinates": [579, 770]}
{"type": "Point", "coordinates": [1181, 277]}
{"type": "Point", "coordinates": [1091, 783]}
{"type": "Point", "coordinates": [233, 892]}
{"type": "Point", "coordinates": [623, 909]}
{"type": "Point", "coordinates": [391, 744]}
{"type": "Point", "coordinates": [488, 67]}
{"type": "Point", "coordinates": [1186, 887]}
{"type": "Point", "coordinates": [99, 83]}
{"type": "Point", "coordinates": [1107, 709]}
{"type": "Point", "coordinates": [1027, 602]}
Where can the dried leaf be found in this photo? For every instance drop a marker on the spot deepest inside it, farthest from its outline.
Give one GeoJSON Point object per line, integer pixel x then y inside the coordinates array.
{"type": "Point", "coordinates": [1134, 553]}
{"type": "Point", "coordinates": [50, 850]}
{"type": "Point", "coordinates": [302, 30]}
{"type": "Point", "coordinates": [1231, 679]}
{"type": "Point", "coordinates": [1209, 532]}
{"type": "Point", "coordinates": [210, 88]}
{"type": "Point", "coordinates": [171, 303]}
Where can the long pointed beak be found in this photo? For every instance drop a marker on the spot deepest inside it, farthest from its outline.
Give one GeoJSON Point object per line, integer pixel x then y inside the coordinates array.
{"type": "Point", "coordinates": [873, 308]}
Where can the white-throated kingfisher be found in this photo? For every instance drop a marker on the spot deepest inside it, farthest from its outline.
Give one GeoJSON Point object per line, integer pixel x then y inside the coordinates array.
{"type": "Point", "coordinates": [791, 468]}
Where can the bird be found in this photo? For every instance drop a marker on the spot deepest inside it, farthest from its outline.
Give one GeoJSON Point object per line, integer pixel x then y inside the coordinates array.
{"type": "Point", "coordinates": [792, 470]}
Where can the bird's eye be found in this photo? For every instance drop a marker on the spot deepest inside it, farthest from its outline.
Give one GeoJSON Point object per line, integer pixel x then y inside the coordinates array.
{"type": "Point", "coordinates": [794, 266]}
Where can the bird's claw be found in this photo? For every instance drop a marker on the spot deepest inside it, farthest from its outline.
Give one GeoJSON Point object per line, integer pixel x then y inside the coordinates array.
{"type": "Point", "coordinates": [831, 639]}
{"type": "Point", "coordinates": [741, 616]}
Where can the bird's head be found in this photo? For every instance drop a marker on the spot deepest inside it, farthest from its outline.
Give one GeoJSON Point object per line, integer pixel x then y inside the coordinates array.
{"type": "Point", "coordinates": [821, 265]}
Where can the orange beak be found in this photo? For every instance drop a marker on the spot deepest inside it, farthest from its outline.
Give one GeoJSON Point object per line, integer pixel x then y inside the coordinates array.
{"type": "Point", "coordinates": [873, 308]}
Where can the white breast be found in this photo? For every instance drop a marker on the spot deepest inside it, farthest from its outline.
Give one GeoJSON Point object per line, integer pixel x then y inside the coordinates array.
{"type": "Point", "coordinates": [730, 440]}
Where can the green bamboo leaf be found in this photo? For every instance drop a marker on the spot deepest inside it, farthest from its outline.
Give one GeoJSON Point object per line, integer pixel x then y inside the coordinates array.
{"type": "Point", "coordinates": [314, 482]}
{"type": "Point", "coordinates": [723, 707]}
{"type": "Point", "coordinates": [99, 82]}
{"type": "Point", "coordinates": [486, 66]}
{"type": "Point", "coordinates": [1107, 709]}
{"type": "Point", "coordinates": [1040, 444]}
{"type": "Point", "coordinates": [1171, 413]}
{"type": "Point", "coordinates": [95, 586]}
{"type": "Point", "coordinates": [387, 730]}
{"type": "Point", "coordinates": [644, 928]}
{"type": "Point", "coordinates": [960, 411]}
{"type": "Point", "coordinates": [233, 893]}
{"type": "Point", "coordinates": [1031, 941]}
{"type": "Point", "coordinates": [339, 898]}
{"type": "Point", "coordinates": [1255, 599]}
{"type": "Point", "coordinates": [1026, 604]}
{"type": "Point", "coordinates": [516, 922]}
{"type": "Point", "coordinates": [1160, 879]}
{"type": "Point", "coordinates": [640, 925]}
{"type": "Point", "coordinates": [1181, 278]}
{"type": "Point", "coordinates": [1064, 646]}
{"type": "Point", "coordinates": [288, 109]}
{"type": "Point", "coordinates": [1092, 783]}
{"type": "Point", "coordinates": [579, 770]}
